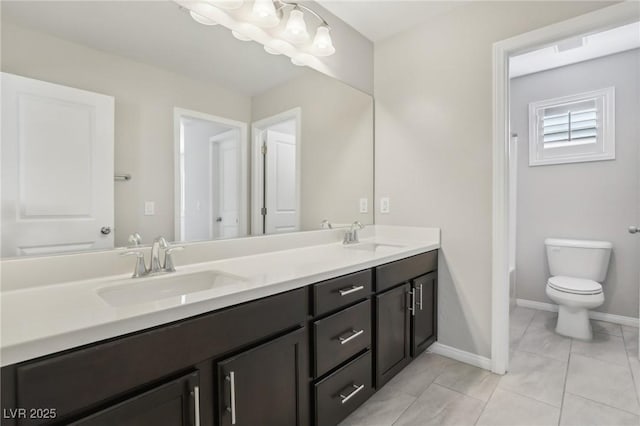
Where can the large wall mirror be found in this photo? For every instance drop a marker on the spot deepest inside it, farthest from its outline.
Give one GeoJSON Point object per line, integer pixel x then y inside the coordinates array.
{"type": "Point", "coordinates": [125, 118]}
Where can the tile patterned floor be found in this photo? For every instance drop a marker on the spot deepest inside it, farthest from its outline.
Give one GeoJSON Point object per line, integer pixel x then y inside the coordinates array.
{"type": "Point", "coordinates": [552, 380]}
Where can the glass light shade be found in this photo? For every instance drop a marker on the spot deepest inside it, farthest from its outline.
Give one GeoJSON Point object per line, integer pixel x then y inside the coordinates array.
{"type": "Point", "coordinates": [276, 47]}
{"type": "Point", "coordinates": [264, 13]}
{"type": "Point", "coordinates": [296, 29]}
{"type": "Point", "coordinates": [202, 19]}
{"type": "Point", "coordinates": [227, 4]}
{"type": "Point", "coordinates": [240, 36]}
{"type": "Point", "coordinates": [299, 60]}
{"type": "Point", "coordinates": [322, 43]}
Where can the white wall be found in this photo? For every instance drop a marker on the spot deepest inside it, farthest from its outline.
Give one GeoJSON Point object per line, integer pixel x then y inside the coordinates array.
{"type": "Point", "coordinates": [336, 145]}
{"type": "Point", "coordinates": [593, 200]}
{"type": "Point", "coordinates": [433, 145]}
{"type": "Point", "coordinates": [353, 61]}
{"type": "Point", "coordinates": [144, 100]}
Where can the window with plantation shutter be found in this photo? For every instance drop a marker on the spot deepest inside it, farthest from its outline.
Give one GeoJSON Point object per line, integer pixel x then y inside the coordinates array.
{"type": "Point", "coordinates": [572, 128]}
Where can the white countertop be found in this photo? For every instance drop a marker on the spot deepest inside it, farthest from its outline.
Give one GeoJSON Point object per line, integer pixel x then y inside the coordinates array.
{"type": "Point", "coordinates": [46, 319]}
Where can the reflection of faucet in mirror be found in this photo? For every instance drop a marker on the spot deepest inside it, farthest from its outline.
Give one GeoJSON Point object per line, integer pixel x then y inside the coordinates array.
{"type": "Point", "coordinates": [155, 268]}
{"type": "Point", "coordinates": [134, 240]}
{"type": "Point", "coordinates": [325, 224]}
{"type": "Point", "coordinates": [351, 236]}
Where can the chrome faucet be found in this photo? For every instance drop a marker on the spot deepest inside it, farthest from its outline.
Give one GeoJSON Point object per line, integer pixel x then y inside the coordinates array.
{"type": "Point", "coordinates": [156, 267]}
{"type": "Point", "coordinates": [158, 243]}
{"type": "Point", "coordinates": [351, 236]}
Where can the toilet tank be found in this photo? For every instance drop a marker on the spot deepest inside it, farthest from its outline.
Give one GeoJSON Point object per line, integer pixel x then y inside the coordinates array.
{"type": "Point", "coordinates": [578, 258]}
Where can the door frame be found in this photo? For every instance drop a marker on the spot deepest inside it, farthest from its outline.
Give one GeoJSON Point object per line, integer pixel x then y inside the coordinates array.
{"type": "Point", "coordinates": [257, 129]}
{"type": "Point", "coordinates": [178, 113]}
{"type": "Point", "coordinates": [602, 19]}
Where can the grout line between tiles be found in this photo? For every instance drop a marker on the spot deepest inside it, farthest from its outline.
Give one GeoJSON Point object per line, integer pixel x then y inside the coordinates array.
{"type": "Point", "coordinates": [564, 386]}
{"type": "Point", "coordinates": [487, 402]}
{"type": "Point", "coordinates": [636, 385]}
{"type": "Point", "coordinates": [528, 397]}
{"type": "Point", "coordinates": [605, 404]}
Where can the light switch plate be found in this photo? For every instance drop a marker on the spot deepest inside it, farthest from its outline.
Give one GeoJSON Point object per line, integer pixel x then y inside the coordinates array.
{"type": "Point", "coordinates": [149, 208]}
{"type": "Point", "coordinates": [385, 205]}
{"type": "Point", "coordinates": [364, 205]}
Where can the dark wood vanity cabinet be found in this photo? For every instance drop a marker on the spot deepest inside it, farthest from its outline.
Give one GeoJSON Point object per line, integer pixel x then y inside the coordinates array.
{"type": "Point", "coordinates": [308, 356]}
{"type": "Point", "coordinates": [175, 403]}
{"type": "Point", "coordinates": [424, 324]}
{"type": "Point", "coordinates": [393, 337]}
{"type": "Point", "coordinates": [406, 312]}
{"type": "Point", "coordinates": [115, 377]}
{"type": "Point", "coordinates": [266, 385]}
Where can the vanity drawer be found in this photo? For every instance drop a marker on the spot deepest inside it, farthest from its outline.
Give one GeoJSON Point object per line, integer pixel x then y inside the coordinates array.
{"type": "Point", "coordinates": [403, 270]}
{"type": "Point", "coordinates": [342, 291]}
{"type": "Point", "coordinates": [341, 336]}
{"type": "Point", "coordinates": [342, 392]}
{"type": "Point", "coordinates": [73, 381]}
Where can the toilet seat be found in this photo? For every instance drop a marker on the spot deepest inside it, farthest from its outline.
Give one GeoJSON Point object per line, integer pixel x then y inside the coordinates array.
{"type": "Point", "coordinates": [574, 285]}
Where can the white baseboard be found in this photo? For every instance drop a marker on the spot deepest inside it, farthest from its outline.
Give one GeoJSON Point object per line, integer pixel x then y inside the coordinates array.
{"type": "Point", "coordinates": [600, 316]}
{"type": "Point", "coordinates": [460, 355]}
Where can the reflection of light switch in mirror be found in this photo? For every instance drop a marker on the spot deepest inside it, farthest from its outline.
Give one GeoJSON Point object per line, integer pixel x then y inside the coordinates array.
{"type": "Point", "coordinates": [149, 208]}
{"type": "Point", "coordinates": [384, 205]}
{"type": "Point", "coordinates": [364, 205]}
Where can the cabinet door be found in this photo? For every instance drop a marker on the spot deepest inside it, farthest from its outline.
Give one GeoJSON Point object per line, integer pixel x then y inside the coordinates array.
{"type": "Point", "coordinates": [267, 385]}
{"type": "Point", "coordinates": [392, 333]}
{"type": "Point", "coordinates": [173, 404]}
{"type": "Point", "coordinates": [424, 319]}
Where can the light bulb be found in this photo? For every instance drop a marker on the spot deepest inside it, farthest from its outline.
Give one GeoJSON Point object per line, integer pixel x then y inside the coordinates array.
{"type": "Point", "coordinates": [228, 4]}
{"type": "Point", "coordinates": [202, 19]}
{"type": "Point", "coordinates": [296, 29]}
{"type": "Point", "coordinates": [322, 43]}
{"type": "Point", "coordinates": [264, 13]}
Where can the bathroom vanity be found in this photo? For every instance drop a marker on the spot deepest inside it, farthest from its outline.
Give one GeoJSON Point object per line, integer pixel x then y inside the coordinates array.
{"type": "Point", "coordinates": [308, 355]}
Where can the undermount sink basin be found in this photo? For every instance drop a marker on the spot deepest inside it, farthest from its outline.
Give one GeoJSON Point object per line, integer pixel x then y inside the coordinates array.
{"type": "Point", "coordinates": [372, 247]}
{"type": "Point", "coordinates": [150, 289]}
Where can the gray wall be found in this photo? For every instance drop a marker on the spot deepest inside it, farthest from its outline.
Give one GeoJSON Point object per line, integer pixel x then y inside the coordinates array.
{"type": "Point", "coordinates": [433, 145]}
{"type": "Point", "coordinates": [593, 200]}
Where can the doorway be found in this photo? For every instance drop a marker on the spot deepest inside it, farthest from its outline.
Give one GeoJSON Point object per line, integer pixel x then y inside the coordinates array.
{"type": "Point", "coordinates": [582, 26]}
{"type": "Point", "coordinates": [276, 173]}
{"type": "Point", "coordinates": [210, 177]}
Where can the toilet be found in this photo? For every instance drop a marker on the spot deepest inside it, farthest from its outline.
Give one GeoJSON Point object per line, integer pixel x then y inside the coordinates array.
{"type": "Point", "coordinates": [578, 268]}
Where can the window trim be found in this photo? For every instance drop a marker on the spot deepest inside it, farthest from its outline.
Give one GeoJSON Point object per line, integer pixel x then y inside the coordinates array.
{"type": "Point", "coordinates": [607, 95]}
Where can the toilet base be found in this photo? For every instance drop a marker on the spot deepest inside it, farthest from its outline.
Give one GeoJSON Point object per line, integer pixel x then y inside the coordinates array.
{"type": "Point", "coordinates": [574, 322]}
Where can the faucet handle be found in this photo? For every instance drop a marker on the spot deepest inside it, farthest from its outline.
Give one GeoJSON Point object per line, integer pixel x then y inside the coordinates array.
{"type": "Point", "coordinates": [140, 268]}
{"type": "Point", "coordinates": [168, 260]}
{"type": "Point", "coordinates": [357, 224]}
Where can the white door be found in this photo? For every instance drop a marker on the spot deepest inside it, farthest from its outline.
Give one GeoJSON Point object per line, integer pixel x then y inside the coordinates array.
{"type": "Point", "coordinates": [57, 168]}
{"type": "Point", "coordinates": [280, 183]}
{"type": "Point", "coordinates": [229, 186]}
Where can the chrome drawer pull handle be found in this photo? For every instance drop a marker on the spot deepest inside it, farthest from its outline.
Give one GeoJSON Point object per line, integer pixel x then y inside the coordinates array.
{"type": "Point", "coordinates": [196, 405]}
{"type": "Point", "coordinates": [356, 389]}
{"type": "Point", "coordinates": [353, 289]}
{"type": "Point", "coordinates": [231, 378]}
{"type": "Point", "coordinates": [420, 301]}
{"type": "Point", "coordinates": [412, 308]}
{"type": "Point", "coordinates": [355, 334]}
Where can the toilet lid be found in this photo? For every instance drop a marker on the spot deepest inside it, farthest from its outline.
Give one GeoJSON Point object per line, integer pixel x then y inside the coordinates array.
{"type": "Point", "coordinates": [575, 285]}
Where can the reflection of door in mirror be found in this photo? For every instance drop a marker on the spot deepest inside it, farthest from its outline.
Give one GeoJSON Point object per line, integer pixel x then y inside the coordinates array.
{"type": "Point", "coordinates": [210, 188]}
{"type": "Point", "coordinates": [276, 173]}
{"type": "Point", "coordinates": [57, 168]}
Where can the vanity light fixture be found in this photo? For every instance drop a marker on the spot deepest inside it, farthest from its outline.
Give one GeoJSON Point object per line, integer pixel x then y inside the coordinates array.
{"type": "Point", "coordinates": [201, 19]}
{"type": "Point", "coordinates": [279, 25]}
